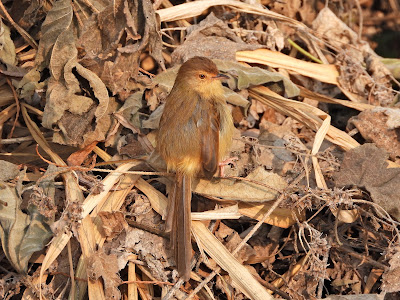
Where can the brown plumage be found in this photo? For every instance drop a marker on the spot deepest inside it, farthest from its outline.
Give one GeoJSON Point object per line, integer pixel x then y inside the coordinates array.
{"type": "Point", "coordinates": [195, 133]}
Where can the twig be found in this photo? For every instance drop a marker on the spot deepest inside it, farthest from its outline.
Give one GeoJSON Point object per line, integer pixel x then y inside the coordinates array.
{"type": "Point", "coordinates": [361, 20]}
{"type": "Point", "coordinates": [304, 52]}
{"type": "Point", "coordinates": [20, 139]}
{"type": "Point", "coordinates": [252, 181]}
{"type": "Point", "coordinates": [21, 31]}
{"type": "Point", "coordinates": [16, 102]}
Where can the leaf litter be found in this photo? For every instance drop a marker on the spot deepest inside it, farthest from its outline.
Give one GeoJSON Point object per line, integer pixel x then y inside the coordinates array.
{"type": "Point", "coordinates": [305, 210]}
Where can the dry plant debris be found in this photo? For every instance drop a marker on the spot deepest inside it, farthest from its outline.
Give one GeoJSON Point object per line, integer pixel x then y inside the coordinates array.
{"type": "Point", "coordinates": [308, 207]}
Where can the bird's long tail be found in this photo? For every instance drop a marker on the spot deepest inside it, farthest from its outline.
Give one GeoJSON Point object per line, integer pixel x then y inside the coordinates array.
{"type": "Point", "coordinates": [179, 223]}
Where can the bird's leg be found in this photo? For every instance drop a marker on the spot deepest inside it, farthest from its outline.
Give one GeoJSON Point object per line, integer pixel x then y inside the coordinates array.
{"type": "Point", "coordinates": [228, 161]}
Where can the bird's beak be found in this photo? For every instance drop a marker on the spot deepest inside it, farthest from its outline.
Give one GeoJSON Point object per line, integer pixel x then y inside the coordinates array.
{"type": "Point", "coordinates": [220, 76]}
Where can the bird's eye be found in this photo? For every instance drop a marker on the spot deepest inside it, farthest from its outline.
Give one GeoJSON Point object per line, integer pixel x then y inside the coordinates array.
{"type": "Point", "coordinates": [202, 76]}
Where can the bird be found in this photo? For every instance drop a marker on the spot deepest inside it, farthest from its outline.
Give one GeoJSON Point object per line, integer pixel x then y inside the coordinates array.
{"type": "Point", "coordinates": [195, 133]}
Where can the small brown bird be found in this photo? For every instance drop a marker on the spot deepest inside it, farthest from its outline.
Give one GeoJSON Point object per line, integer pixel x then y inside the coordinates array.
{"type": "Point", "coordinates": [195, 133]}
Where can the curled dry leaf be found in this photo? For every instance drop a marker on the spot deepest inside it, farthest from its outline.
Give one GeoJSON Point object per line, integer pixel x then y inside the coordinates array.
{"type": "Point", "coordinates": [21, 234]}
{"type": "Point", "coordinates": [7, 48]}
{"type": "Point", "coordinates": [130, 108]}
{"type": "Point", "coordinates": [82, 119]}
{"type": "Point", "coordinates": [151, 248]}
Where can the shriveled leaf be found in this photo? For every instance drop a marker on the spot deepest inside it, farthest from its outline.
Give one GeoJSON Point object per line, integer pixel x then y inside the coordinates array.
{"type": "Point", "coordinates": [105, 266]}
{"type": "Point", "coordinates": [113, 40]}
{"type": "Point", "coordinates": [7, 48]}
{"type": "Point", "coordinates": [8, 170]}
{"type": "Point", "coordinates": [212, 38]}
{"type": "Point", "coordinates": [21, 234]}
{"type": "Point", "coordinates": [56, 33]}
{"type": "Point", "coordinates": [246, 191]}
{"type": "Point", "coordinates": [131, 107]}
{"type": "Point", "coordinates": [28, 85]}
{"type": "Point", "coordinates": [380, 126]}
{"type": "Point", "coordinates": [366, 167]}
{"type": "Point", "coordinates": [81, 119]}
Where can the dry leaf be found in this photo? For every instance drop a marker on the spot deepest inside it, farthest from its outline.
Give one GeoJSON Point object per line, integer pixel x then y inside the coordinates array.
{"type": "Point", "coordinates": [210, 38]}
{"type": "Point", "coordinates": [8, 170]}
{"type": "Point", "coordinates": [246, 191]}
{"type": "Point", "coordinates": [114, 57]}
{"type": "Point", "coordinates": [390, 276]}
{"type": "Point", "coordinates": [251, 76]}
{"type": "Point", "coordinates": [369, 83]}
{"type": "Point", "coordinates": [380, 126]}
{"type": "Point", "coordinates": [366, 167]}
{"type": "Point", "coordinates": [105, 267]}
{"type": "Point", "coordinates": [21, 234]}
{"type": "Point", "coordinates": [7, 48]}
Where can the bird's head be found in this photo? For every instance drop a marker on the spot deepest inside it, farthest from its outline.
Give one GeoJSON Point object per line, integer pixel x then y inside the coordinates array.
{"type": "Point", "coordinates": [201, 75]}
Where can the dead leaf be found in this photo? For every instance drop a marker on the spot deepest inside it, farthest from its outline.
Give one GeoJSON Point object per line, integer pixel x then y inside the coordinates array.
{"type": "Point", "coordinates": [28, 86]}
{"type": "Point", "coordinates": [151, 248]}
{"type": "Point", "coordinates": [246, 191]}
{"type": "Point", "coordinates": [380, 126]}
{"type": "Point", "coordinates": [113, 223]}
{"type": "Point", "coordinates": [390, 277]}
{"type": "Point", "coordinates": [114, 57]}
{"type": "Point", "coordinates": [65, 106]}
{"type": "Point", "coordinates": [21, 234]}
{"type": "Point", "coordinates": [251, 76]}
{"type": "Point", "coordinates": [8, 170]}
{"type": "Point", "coordinates": [366, 167]}
{"type": "Point", "coordinates": [78, 157]}
{"type": "Point", "coordinates": [210, 38]}
{"type": "Point", "coordinates": [7, 48]}
{"type": "Point", "coordinates": [101, 265]}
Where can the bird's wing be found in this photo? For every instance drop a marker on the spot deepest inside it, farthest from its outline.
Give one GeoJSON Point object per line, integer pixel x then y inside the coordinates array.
{"type": "Point", "coordinates": [209, 125]}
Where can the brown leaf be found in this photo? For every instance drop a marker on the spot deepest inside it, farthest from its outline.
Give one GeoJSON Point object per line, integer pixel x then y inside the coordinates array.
{"type": "Point", "coordinates": [211, 38]}
{"type": "Point", "coordinates": [21, 234]}
{"type": "Point", "coordinates": [380, 126]}
{"type": "Point", "coordinates": [247, 191]}
{"type": "Point", "coordinates": [101, 265]}
{"type": "Point", "coordinates": [78, 157]}
{"type": "Point", "coordinates": [391, 276]}
{"type": "Point", "coordinates": [7, 49]}
{"type": "Point", "coordinates": [8, 170]}
{"type": "Point", "coordinates": [113, 223]}
{"type": "Point", "coordinates": [366, 166]}
{"type": "Point", "coordinates": [112, 56]}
